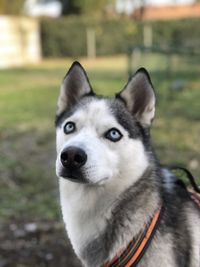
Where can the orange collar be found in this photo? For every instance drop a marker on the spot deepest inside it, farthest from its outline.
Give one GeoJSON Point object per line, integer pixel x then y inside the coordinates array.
{"type": "Point", "coordinates": [195, 197]}
{"type": "Point", "coordinates": [137, 247]}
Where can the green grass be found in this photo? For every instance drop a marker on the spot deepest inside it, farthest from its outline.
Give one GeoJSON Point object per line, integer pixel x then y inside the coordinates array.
{"type": "Point", "coordinates": [28, 186]}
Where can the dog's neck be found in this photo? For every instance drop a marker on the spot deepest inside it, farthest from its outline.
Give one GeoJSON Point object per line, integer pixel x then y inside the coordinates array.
{"type": "Point", "coordinates": [100, 223]}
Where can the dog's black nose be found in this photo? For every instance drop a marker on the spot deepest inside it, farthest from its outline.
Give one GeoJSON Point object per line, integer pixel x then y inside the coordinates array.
{"type": "Point", "coordinates": [73, 157]}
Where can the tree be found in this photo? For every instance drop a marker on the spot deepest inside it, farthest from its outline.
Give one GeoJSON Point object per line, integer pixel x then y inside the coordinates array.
{"type": "Point", "coordinates": [70, 7]}
{"type": "Point", "coordinates": [89, 7]}
{"type": "Point", "coordinates": [12, 7]}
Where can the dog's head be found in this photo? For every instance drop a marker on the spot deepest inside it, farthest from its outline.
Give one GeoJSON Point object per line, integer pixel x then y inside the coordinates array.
{"type": "Point", "coordinates": [102, 139]}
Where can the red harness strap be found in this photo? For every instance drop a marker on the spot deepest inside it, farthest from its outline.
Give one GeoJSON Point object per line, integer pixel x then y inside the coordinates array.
{"type": "Point", "coordinates": [196, 198]}
{"type": "Point", "coordinates": [136, 248]}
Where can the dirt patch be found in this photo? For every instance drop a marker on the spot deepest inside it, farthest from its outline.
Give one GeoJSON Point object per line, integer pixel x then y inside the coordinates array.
{"type": "Point", "coordinates": [34, 244]}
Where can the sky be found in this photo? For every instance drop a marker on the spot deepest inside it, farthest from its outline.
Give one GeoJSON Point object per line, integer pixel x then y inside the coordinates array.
{"type": "Point", "coordinates": [129, 5]}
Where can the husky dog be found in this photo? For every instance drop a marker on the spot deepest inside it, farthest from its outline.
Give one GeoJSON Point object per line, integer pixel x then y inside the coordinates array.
{"type": "Point", "coordinates": [111, 185]}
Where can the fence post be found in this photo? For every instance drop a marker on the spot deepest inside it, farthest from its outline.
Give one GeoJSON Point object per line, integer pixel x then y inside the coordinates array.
{"type": "Point", "coordinates": [147, 35]}
{"type": "Point", "coordinates": [91, 42]}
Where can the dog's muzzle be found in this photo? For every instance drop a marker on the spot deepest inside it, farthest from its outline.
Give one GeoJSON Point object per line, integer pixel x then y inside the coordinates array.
{"type": "Point", "coordinates": [72, 159]}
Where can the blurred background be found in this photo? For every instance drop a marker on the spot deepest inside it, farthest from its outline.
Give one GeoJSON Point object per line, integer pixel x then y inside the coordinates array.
{"type": "Point", "coordinates": [39, 39]}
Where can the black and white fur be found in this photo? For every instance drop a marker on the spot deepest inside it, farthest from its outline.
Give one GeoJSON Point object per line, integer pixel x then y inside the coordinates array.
{"type": "Point", "coordinates": [110, 181]}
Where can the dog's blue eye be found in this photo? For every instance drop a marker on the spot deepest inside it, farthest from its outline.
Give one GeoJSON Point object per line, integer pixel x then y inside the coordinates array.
{"type": "Point", "coordinates": [113, 135]}
{"type": "Point", "coordinates": [69, 127]}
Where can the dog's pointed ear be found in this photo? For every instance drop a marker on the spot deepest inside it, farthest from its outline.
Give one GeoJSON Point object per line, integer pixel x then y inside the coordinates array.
{"type": "Point", "coordinates": [139, 97]}
{"type": "Point", "coordinates": [75, 85]}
